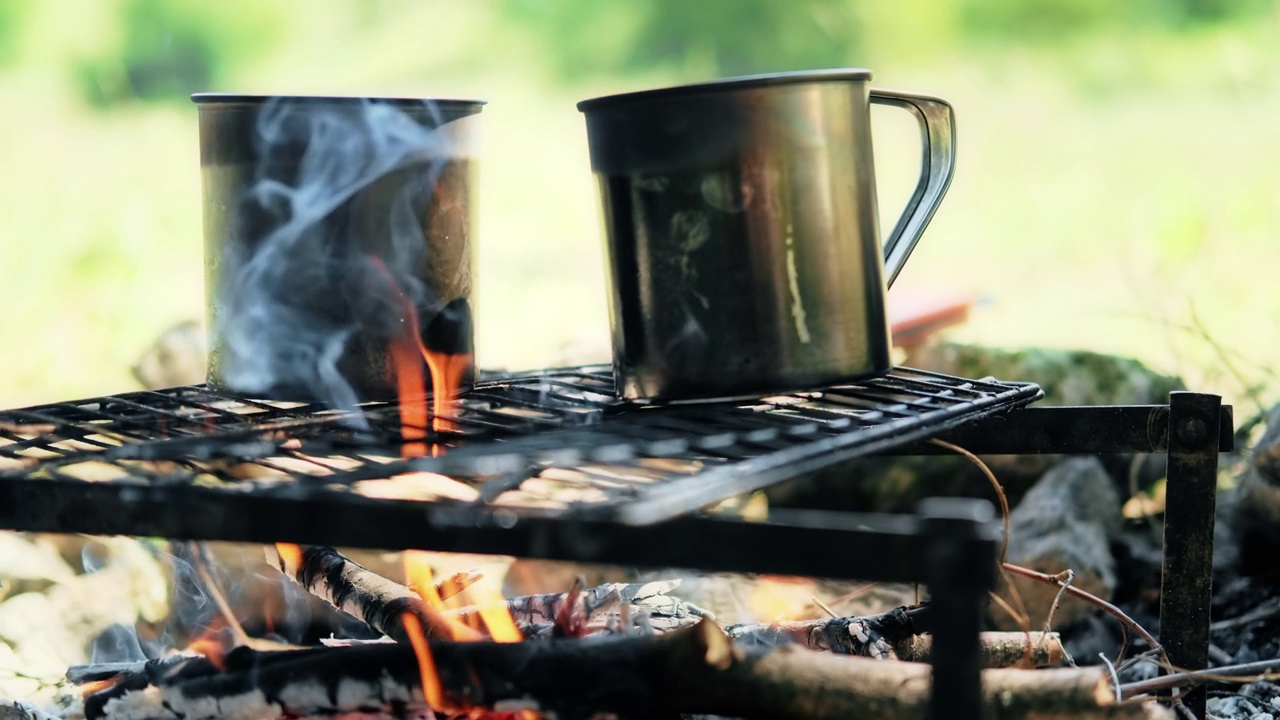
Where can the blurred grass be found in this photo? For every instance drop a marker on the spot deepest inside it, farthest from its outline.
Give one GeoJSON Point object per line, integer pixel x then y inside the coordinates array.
{"type": "Point", "coordinates": [1109, 186]}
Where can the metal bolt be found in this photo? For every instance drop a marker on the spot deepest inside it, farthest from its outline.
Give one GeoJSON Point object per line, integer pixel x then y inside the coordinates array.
{"type": "Point", "coordinates": [1193, 430]}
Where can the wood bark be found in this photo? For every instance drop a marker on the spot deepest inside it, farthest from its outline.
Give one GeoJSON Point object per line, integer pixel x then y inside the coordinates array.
{"type": "Point", "coordinates": [696, 670]}
{"type": "Point", "coordinates": [381, 603]}
{"type": "Point", "coordinates": [888, 636]}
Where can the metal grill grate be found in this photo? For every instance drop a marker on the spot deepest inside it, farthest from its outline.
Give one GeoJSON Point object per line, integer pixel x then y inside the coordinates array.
{"type": "Point", "coordinates": [555, 444]}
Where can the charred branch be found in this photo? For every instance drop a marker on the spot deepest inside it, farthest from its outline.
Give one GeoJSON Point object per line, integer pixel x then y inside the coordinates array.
{"type": "Point", "coordinates": [607, 608]}
{"type": "Point", "coordinates": [694, 670]}
{"type": "Point", "coordinates": [362, 593]}
{"type": "Point", "coordinates": [381, 603]}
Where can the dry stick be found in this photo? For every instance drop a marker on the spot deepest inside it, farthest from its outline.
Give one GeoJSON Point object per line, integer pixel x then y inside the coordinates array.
{"type": "Point", "coordinates": [1243, 673]}
{"type": "Point", "coordinates": [996, 649]}
{"type": "Point", "coordinates": [855, 594]}
{"type": "Point", "coordinates": [203, 563]}
{"type": "Point", "coordinates": [825, 609]}
{"type": "Point", "coordinates": [1065, 577]}
{"type": "Point", "coordinates": [1248, 618]}
{"type": "Point", "coordinates": [697, 670]}
{"type": "Point", "coordinates": [1020, 616]}
{"type": "Point", "coordinates": [362, 593]}
{"type": "Point", "coordinates": [198, 553]}
{"type": "Point", "coordinates": [1088, 597]}
{"type": "Point", "coordinates": [1111, 670]}
{"type": "Point", "coordinates": [379, 602]}
{"type": "Point", "coordinates": [995, 484]}
{"type": "Point", "coordinates": [1219, 656]}
{"type": "Point", "coordinates": [1097, 602]}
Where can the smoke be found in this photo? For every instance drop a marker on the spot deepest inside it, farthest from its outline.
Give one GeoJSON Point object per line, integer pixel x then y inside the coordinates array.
{"type": "Point", "coordinates": [334, 184]}
{"type": "Point", "coordinates": [118, 643]}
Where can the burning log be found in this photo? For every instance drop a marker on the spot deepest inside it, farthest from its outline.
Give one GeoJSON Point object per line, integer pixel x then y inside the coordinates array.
{"type": "Point", "coordinates": [893, 635]}
{"type": "Point", "coordinates": [361, 593]}
{"type": "Point", "coordinates": [698, 669]}
{"type": "Point", "coordinates": [381, 602]}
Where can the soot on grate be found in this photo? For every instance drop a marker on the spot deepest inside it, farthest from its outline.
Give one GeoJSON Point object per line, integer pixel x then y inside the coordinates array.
{"type": "Point", "coordinates": [556, 444]}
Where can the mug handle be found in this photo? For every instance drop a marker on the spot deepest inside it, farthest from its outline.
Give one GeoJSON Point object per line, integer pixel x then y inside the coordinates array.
{"type": "Point", "coordinates": [938, 140]}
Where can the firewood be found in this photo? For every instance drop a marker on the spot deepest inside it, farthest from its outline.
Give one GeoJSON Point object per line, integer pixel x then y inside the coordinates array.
{"type": "Point", "coordinates": [892, 635]}
{"type": "Point", "coordinates": [694, 670]}
{"type": "Point", "coordinates": [380, 602]}
{"type": "Point", "coordinates": [999, 649]}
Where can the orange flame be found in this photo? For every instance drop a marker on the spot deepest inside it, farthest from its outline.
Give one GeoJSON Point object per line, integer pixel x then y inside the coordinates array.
{"type": "Point", "coordinates": [493, 615]}
{"type": "Point", "coordinates": [502, 627]}
{"type": "Point", "coordinates": [432, 688]}
{"type": "Point", "coordinates": [446, 371]}
{"type": "Point", "coordinates": [457, 582]}
{"type": "Point", "coordinates": [94, 686]}
{"type": "Point", "coordinates": [211, 644]}
{"type": "Point", "coordinates": [291, 554]}
{"type": "Point", "coordinates": [419, 578]}
{"type": "Point", "coordinates": [410, 385]}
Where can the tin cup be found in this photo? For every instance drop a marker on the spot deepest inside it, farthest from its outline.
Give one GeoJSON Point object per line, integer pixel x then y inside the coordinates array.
{"type": "Point", "coordinates": [332, 224]}
{"type": "Point", "coordinates": [742, 238]}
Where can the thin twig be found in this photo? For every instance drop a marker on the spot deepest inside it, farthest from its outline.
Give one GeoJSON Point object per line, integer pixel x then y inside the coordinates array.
{"type": "Point", "coordinates": [1243, 673]}
{"type": "Point", "coordinates": [1115, 677]}
{"type": "Point", "coordinates": [1097, 602]}
{"type": "Point", "coordinates": [1021, 616]}
{"type": "Point", "coordinates": [1150, 655]}
{"type": "Point", "coordinates": [202, 562]}
{"type": "Point", "coordinates": [1065, 582]}
{"type": "Point", "coordinates": [1183, 711]}
{"type": "Point", "coordinates": [995, 484]}
{"type": "Point", "coordinates": [1247, 619]}
{"type": "Point", "coordinates": [1250, 389]}
{"type": "Point", "coordinates": [859, 592]}
{"type": "Point", "coordinates": [1066, 576]}
{"type": "Point", "coordinates": [824, 607]}
{"type": "Point", "coordinates": [1219, 656]}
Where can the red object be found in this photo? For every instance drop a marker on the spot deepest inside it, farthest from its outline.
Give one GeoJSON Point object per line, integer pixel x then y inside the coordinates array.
{"type": "Point", "coordinates": [914, 315]}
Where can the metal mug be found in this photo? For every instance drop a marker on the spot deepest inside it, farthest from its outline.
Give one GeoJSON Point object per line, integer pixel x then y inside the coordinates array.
{"type": "Point", "coordinates": [741, 230]}
{"type": "Point", "coordinates": [328, 222]}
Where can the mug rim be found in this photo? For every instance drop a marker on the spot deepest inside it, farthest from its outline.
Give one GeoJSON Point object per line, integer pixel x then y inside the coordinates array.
{"type": "Point", "coordinates": [207, 98]}
{"type": "Point", "coordinates": [740, 82]}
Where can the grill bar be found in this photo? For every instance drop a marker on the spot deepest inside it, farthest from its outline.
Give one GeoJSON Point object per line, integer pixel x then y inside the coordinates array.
{"type": "Point", "coordinates": [551, 445]}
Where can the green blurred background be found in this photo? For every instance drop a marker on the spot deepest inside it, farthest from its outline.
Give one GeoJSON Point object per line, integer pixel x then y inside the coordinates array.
{"type": "Point", "coordinates": [1117, 186]}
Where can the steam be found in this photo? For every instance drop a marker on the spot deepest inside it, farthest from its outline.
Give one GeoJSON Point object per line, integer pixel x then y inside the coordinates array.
{"type": "Point", "coordinates": [303, 287]}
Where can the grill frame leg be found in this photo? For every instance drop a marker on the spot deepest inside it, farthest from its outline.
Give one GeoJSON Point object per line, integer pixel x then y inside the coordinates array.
{"type": "Point", "coordinates": [1186, 582]}
{"type": "Point", "coordinates": [960, 568]}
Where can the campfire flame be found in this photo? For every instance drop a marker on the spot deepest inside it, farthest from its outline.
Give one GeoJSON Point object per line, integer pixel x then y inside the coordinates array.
{"type": "Point", "coordinates": [432, 688]}
{"type": "Point", "coordinates": [447, 371]}
{"type": "Point", "coordinates": [212, 644]}
{"type": "Point", "coordinates": [493, 614]}
{"type": "Point", "coordinates": [290, 553]}
{"type": "Point", "coordinates": [410, 385]}
{"type": "Point", "coordinates": [94, 686]}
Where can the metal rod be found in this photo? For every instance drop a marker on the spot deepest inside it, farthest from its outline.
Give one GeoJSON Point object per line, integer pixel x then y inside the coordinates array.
{"type": "Point", "coordinates": [960, 569]}
{"type": "Point", "coordinates": [1186, 585]}
{"type": "Point", "coordinates": [801, 543]}
{"type": "Point", "coordinates": [1099, 429]}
